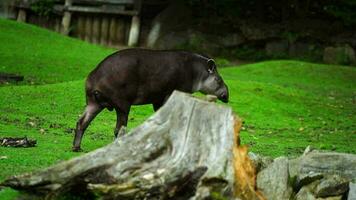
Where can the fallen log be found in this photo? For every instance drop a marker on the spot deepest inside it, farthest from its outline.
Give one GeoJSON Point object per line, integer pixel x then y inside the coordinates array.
{"type": "Point", "coordinates": [189, 149]}
{"type": "Point", "coordinates": [10, 77]}
{"type": "Point", "coordinates": [17, 142]}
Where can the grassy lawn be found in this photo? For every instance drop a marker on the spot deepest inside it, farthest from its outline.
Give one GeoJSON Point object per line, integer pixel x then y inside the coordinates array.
{"type": "Point", "coordinates": [285, 105]}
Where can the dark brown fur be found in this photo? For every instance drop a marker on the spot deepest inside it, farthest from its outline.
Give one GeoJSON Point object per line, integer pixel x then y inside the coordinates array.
{"type": "Point", "coordinates": [136, 77]}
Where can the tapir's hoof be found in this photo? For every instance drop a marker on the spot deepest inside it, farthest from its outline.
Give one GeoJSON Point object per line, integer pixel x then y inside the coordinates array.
{"type": "Point", "coordinates": [76, 149]}
{"type": "Point", "coordinates": [121, 132]}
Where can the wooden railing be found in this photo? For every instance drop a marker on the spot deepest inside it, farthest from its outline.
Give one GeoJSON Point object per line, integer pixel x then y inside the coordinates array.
{"type": "Point", "coordinates": [96, 21]}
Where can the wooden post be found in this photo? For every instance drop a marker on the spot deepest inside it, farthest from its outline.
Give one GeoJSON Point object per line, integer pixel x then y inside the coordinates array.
{"type": "Point", "coordinates": [88, 29]}
{"type": "Point", "coordinates": [135, 25]}
{"type": "Point", "coordinates": [120, 31]}
{"type": "Point", "coordinates": [22, 15]}
{"type": "Point", "coordinates": [104, 31]}
{"type": "Point", "coordinates": [134, 31]}
{"type": "Point", "coordinates": [96, 30]}
{"type": "Point", "coordinates": [112, 31]}
{"type": "Point", "coordinates": [66, 18]}
{"type": "Point", "coordinates": [81, 27]}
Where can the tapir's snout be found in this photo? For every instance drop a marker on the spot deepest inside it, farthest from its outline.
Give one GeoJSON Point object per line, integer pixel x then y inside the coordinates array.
{"type": "Point", "coordinates": [224, 96]}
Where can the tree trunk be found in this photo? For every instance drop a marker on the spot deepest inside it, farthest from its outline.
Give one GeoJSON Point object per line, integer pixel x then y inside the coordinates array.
{"type": "Point", "coordinates": [22, 15]}
{"type": "Point", "coordinates": [66, 20]}
{"type": "Point", "coordinates": [134, 31]}
{"type": "Point", "coordinates": [189, 149]}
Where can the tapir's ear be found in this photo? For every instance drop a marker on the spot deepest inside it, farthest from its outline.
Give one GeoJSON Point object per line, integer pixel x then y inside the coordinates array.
{"type": "Point", "coordinates": [211, 66]}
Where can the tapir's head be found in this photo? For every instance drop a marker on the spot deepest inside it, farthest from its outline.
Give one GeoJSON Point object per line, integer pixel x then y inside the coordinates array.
{"type": "Point", "coordinates": [211, 82]}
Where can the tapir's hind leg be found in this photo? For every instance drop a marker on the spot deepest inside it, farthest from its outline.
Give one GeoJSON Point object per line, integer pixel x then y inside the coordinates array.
{"type": "Point", "coordinates": [122, 114]}
{"type": "Point", "coordinates": [159, 103]}
{"type": "Point", "coordinates": [91, 110]}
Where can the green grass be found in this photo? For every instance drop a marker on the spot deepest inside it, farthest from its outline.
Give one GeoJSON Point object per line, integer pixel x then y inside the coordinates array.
{"type": "Point", "coordinates": [285, 105]}
{"type": "Point", "coordinates": [45, 57]}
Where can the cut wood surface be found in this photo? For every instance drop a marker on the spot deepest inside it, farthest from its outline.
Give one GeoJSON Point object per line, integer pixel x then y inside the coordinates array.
{"type": "Point", "coordinates": [184, 151]}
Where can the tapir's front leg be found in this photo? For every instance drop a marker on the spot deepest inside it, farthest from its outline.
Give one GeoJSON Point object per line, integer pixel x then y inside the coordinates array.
{"type": "Point", "coordinates": [89, 114]}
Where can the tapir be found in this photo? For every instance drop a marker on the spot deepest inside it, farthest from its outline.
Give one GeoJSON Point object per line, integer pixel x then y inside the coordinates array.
{"type": "Point", "coordinates": [141, 76]}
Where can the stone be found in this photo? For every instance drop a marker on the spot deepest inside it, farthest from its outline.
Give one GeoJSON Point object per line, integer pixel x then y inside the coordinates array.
{"type": "Point", "coordinates": [306, 192]}
{"type": "Point", "coordinates": [301, 49]}
{"type": "Point", "coordinates": [254, 30]}
{"type": "Point", "coordinates": [260, 162]}
{"type": "Point", "coordinates": [294, 167]}
{"type": "Point", "coordinates": [305, 179]}
{"type": "Point", "coordinates": [329, 163]}
{"type": "Point", "coordinates": [352, 191]}
{"type": "Point", "coordinates": [343, 55]}
{"type": "Point", "coordinates": [332, 186]}
{"type": "Point", "coordinates": [273, 181]}
{"type": "Point", "coordinates": [231, 40]}
{"type": "Point", "coordinates": [176, 17]}
{"type": "Point", "coordinates": [277, 48]}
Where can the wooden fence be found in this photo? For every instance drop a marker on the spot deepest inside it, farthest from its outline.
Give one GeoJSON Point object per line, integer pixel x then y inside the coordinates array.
{"type": "Point", "coordinates": [105, 22]}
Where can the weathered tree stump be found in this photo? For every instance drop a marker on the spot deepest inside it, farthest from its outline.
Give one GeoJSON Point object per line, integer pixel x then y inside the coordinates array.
{"type": "Point", "coordinates": [189, 149]}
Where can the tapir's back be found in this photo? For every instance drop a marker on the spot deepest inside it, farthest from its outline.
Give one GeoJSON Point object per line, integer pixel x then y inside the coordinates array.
{"type": "Point", "coordinates": [142, 75]}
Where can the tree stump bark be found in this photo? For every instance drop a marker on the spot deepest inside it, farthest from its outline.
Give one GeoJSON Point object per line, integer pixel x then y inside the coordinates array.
{"type": "Point", "coordinates": [189, 149]}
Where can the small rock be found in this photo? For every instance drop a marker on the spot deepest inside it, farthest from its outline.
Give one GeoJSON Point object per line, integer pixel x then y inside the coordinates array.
{"type": "Point", "coordinates": [306, 179]}
{"type": "Point", "coordinates": [260, 162]}
{"type": "Point", "coordinates": [339, 55]}
{"type": "Point", "coordinates": [294, 167]}
{"type": "Point", "coordinates": [32, 124]}
{"type": "Point", "coordinates": [329, 163]}
{"type": "Point", "coordinates": [203, 193]}
{"type": "Point", "coordinates": [332, 186]}
{"type": "Point", "coordinates": [306, 193]}
{"type": "Point", "coordinates": [274, 182]}
{"type": "Point", "coordinates": [3, 157]}
{"type": "Point", "coordinates": [352, 191]}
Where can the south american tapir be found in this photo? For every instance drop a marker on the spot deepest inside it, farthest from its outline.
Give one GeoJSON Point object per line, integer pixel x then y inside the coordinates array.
{"type": "Point", "coordinates": [141, 76]}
